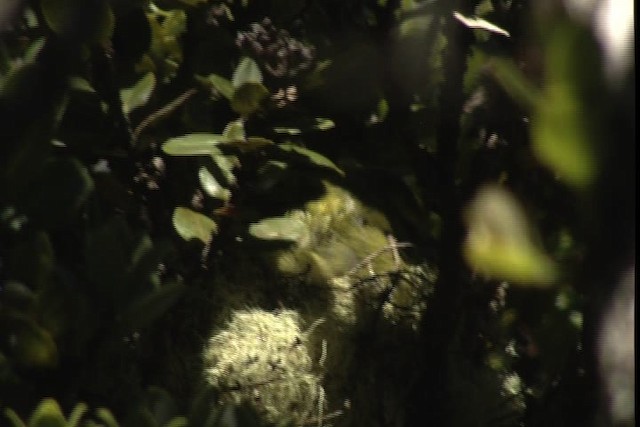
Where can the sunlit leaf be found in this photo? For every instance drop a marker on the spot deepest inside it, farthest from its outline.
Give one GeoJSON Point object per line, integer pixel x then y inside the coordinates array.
{"type": "Point", "coordinates": [47, 414]}
{"type": "Point", "coordinates": [211, 186]}
{"type": "Point", "coordinates": [313, 156]}
{"type": "Point", "coordinates": [499, 242]}
{"type": "Point", "coordinates": [193, 225]}
{"type": "Point", "coordinates": [222, 85]}
{"type": "Point", "coordinates": [248, 97]}
{"type": "Point", "coordinates": [226, 164]}
{"type": "Point", "coordinates": [247, 71]}
{"type": "Point", "coordinates": [194, 144]}
{"type": "Point", "coordinates": [234, 131]}
{"type": "Point", "coordinates": [480, 24]}
{"type": "Point", "coordinates": [290, 228]}
{"type": "Point", "coordinates": [324, 124]}
{"type": "Point", "coordinates": [138, 94]}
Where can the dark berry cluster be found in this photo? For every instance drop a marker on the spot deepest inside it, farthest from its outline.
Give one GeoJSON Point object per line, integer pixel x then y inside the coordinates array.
{"type": "Point", "coordinates": [279, 53]}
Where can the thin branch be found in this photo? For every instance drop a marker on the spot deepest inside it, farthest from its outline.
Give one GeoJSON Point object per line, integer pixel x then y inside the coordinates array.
{"type": "Point", "coordinates": [369, 258]}
{"type": "Point", "coordinates": [163, 112]}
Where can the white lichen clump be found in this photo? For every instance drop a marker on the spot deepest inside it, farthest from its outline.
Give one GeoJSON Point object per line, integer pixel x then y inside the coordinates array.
{"type": "Point", "coordinates": [263, 358]}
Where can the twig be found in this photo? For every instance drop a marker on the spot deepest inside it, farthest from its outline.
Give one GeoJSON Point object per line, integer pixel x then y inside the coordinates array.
{"type": "Point", "coordinates": [391, 247]}
{"type": "Point", "coordinates": [163, 112]}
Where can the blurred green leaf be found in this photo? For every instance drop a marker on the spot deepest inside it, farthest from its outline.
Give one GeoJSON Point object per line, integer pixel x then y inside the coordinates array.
{"type": "Point", "coordinates": [226, 164]}
{"type": "Point", "coordinates": [194, 144]}
{"type": "Point", "coordinates": [247, 71]}
{"type": "Point", "coordinates": [565, 126]}
{"type": "Point", "coordinates": [222, 85]}
{"type": "Point", "coordinates": [47, 414]}
{"type": "Point", "coordinates": [138, 94]}
{"type": "Point", "coordinates": [211, 186]}
{"type": "Point", "coordinates": [324, 124]}
{"type": "Point", "coordinates": [107, 417]}
{"type": "Point", "coordinates": [76, 415]}
{"type": "Point", "coordinates": [290, 228]}
{"type": "Point", "coordinates": [499, 241]}
{"type": "Point", "coordinates": [193, 225]}
{"type": "Point", "coordinates": [248, 97]}
{"type": "Point", "coordinates": [514, 82]}
{"type": "Point", "coordinates": [312, 156]}
{"type": "Point", "coordinates": [234, 131]}
{"type": "Point", "coordinates": [14, 419]}
{"type": "Point", "coordinates": [80, 84]}
{"type": "Point", "coordinates": [31, 345]}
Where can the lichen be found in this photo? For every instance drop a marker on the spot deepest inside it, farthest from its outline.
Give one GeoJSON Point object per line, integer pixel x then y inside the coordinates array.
{"type": "Point", "coordinates": [262, 358]}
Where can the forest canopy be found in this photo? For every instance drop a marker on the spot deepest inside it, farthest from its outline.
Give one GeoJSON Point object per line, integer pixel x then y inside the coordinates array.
{"type": "Point", "coordinates": [331, 213]}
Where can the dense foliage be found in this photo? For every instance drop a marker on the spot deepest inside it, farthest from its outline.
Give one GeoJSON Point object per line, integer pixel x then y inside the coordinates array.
{"type": "Point", "coordinates": [305, 212]}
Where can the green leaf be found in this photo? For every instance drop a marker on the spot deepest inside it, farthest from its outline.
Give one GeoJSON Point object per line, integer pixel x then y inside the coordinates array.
{"type": "Point", "coordinates": [290, 228]}
{"type": "Point", "coordinates": [312, 156]}
{"type": "Point", "coordinates": [138, 94]}
{"type": "Point", "coordinates": [247, 71]}
{"type": "Point", "coordinates": [14, 418]}
{"type": "Point", "coordinates": [561, 138]}
{"type": "Point", "coordinates": [324, 124]}
{"type": "Point", "coordinates": [80, 84]}
{"type": "Point", "coordinates": [226, 164]}
{"type": "Point", "coordinates": [76, 415]}
{"type": "Point", "coordinates": [499, 242]}
{"type": "Point", "coordinates": [566, 126]}
{"type": "Point", "coordinates": [248, 97]}
{"type": "Point", "coordinates": [107, 417]}
{"type": "Point", "coordinates": [234, 131]}
{"type": "Point", "coordinates": [47, 414]}
{"type": "Point", "coordinates": [31, 345]}
{"type": "Point", "coordinates": [194, 144]}
{"type": "Point", "coordinates": [193, 225]}
{"type": "Point", "coordinates": [211, 186]}
{"type": "Point", "coordinates": [222, 85]}
{"type": "Point", "coordinates": [147, 309]}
